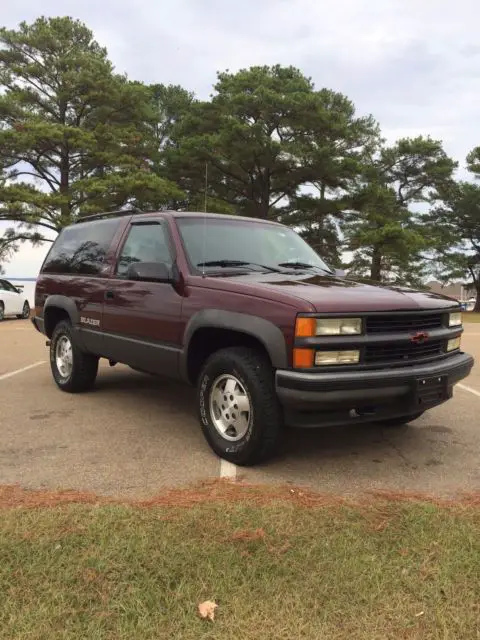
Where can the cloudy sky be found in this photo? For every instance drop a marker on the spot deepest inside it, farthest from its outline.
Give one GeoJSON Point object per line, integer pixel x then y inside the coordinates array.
{"type": "Point", "coordinates": [415, 65]}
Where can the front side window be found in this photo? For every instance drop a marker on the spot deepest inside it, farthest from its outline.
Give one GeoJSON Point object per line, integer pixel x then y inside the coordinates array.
{"type": "Point", "coordinates": [213, 240]}
{"type": "Point", "coordinates": [145, 243]}
{"type": "Point", "coordinates": [6, 286]}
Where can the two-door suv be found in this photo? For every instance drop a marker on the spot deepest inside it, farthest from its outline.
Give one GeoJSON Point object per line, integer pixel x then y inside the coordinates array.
{"type": "Point", "coordinates": [248, 312]}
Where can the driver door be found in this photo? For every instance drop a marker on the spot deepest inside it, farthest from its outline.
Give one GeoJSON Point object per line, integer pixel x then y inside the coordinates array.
{"type": "Point", "coordinates": [141, 320]}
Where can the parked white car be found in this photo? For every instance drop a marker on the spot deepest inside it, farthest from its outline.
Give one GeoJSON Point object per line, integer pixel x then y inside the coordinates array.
{"type": "Point", "coordinates": [12, 301]}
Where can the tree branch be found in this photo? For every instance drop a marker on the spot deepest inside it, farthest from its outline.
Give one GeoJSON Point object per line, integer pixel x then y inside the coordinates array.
{"type": "Point", "coordinates": [37, 175]}
{"type": "Point", "coordinates": [272, 204]}
{"type": "Point", "coordinates": [9, 217]}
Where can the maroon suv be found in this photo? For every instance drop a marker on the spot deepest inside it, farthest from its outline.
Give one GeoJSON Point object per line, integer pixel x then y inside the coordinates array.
{"type": "Point", "coordinates": [245, 310]}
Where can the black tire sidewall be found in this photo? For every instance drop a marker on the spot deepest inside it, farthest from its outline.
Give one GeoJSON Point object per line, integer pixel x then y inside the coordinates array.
{"type": "Point", "coordinates": [240, 451]}
{"type": "Point", "coordinates": [26, 306]}
{"type": "Point", "coordinates": [2, 311]}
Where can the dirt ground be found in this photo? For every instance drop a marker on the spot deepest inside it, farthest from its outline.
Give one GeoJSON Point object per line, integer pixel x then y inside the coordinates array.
{"type": "Point", "coordinates": [135, 435]}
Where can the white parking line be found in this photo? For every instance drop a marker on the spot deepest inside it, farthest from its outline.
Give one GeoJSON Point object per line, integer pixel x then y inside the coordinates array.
{"type": "Point", "coordinates": [227, 469]}
{"type": "Point", "coordinates": [10, 374]}
{"type": "Point", "coordinates": [465, 388]}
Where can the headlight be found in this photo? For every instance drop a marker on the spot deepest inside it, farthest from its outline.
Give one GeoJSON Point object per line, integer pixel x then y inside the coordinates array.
{"type": "Point", "coordinates": [309, 327]}
{"type": "Point", "coordinates": [453, 344]}
{"type": "Point", "coordinates": [337, 357]}
{"type": "Point", "coordinates": [455, 319]}
{"type": "Point", "coordinates": [339, 327]}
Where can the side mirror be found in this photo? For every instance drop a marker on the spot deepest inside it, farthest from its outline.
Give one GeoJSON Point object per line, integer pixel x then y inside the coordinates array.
{"type": "Point", "coordinates": [149, 272]}
{"type": "Point", "coordinates": [340, 273]}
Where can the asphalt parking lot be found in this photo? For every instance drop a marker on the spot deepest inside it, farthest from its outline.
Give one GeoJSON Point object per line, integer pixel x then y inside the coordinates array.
{"type": "Point", "coordinates": [135, 435]}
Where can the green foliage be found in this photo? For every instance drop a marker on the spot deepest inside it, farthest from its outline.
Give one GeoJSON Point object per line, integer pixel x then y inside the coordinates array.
{"type": "Point", "coordinates": [332, 146]}
{"type": "Point", "coordinates": [243, 136]}
{"type": "Point", "coordinates": [318, 219]}
{"type": "Point", "coordinates": [73, 135]}
{"type": "Point", "coordinates": [456, 229]}
{"type": "Point", "coordinates": [265, 134]}
{"type": "Point", "coordinates": [384, 233]}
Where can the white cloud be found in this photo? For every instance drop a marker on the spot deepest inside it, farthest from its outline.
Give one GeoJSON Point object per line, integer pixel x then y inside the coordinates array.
{"type": "Point", "coordinates": [413, 65]}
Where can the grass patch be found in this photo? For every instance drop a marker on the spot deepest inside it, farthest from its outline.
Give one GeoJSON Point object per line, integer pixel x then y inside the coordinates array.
{"type": "Point", "coordinates": [277, 568]}
{"type": "Point", "coordinates": [470, 316]}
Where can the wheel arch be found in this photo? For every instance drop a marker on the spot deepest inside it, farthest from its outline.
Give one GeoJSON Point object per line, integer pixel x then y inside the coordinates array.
{"type": "Point", "coordinates": [211, 330]}
{"type": "Point", "coordinates": [57, 308]}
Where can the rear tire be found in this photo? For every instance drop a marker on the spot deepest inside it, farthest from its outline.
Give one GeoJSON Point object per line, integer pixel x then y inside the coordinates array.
{"type": "Point", "coordinates": [239, 412]}
{"type": "Point", "coordinates": [2, 311]}
{"type": "Point", "coordinates": [400, 421]}
{"type": "Point", "coordinates": [73, 370]}
{"type": "Point", "coordinates": [25, 313]}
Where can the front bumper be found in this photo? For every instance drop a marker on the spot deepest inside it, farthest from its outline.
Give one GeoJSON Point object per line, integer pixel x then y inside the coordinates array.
{"type": "Point", "coordinates": [324, 399]}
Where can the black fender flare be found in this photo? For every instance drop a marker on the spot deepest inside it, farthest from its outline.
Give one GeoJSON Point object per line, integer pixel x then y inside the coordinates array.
{"type": "Point", "coordinates": [67, 305]}
{"type": "Point", "coordinates": [263, 330]}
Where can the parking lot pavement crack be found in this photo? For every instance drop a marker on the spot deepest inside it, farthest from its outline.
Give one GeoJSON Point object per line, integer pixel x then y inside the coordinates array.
{"type": "Point", "coordinates": [408, 463]}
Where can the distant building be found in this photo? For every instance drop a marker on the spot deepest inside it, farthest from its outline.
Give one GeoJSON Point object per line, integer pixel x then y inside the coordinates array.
{"type": "Point", "coordinates": [455, 290]}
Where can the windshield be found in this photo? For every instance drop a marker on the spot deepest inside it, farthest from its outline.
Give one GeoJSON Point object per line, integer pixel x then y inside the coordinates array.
{"type": "Point", "coordinates": [213, 240]}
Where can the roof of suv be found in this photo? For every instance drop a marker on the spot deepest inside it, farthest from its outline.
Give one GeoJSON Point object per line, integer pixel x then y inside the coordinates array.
{"type": "Point", "coordinates": [171, 214]}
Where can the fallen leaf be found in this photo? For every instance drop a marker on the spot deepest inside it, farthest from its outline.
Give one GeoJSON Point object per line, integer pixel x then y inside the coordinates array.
{"type": "Point", "coordinates": [248, 536]}
{"type": "Point", "coordinates": [207, 610]}
{"type": "Point", "coordinates": [421, 613]}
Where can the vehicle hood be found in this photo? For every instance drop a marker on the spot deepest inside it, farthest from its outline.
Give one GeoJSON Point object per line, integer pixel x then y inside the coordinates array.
{"type": "Point", "coordinates": [332, 294]}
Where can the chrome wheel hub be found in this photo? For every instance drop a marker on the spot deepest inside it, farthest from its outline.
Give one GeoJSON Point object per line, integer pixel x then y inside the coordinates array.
{"type": "Point", "coordinates": [230, 408]}
{"type": "Point", "coordinates": [64, 356]}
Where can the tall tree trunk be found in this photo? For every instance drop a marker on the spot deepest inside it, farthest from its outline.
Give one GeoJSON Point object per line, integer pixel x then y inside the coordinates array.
{"type": "Point", "coordinates": [376, 266]}
{"type": "Point", "coordinates": [64, 169]}
{"type": "Point", "coordinates": [264, 187]}
{"type": "Point", "coordinates": [476, 284]}
{"type": "Point", "coordinates": [477, 303]}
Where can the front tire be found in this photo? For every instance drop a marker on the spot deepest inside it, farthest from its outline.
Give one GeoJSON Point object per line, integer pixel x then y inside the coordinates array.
{"type": "Point", "coordinates": [2, 311]}
{"type": "Point", "coordinates": [238, 408]}
{"type": "Point", "coordinates": [73, 370]}
{"type": "Point", "coordinates": [26, 312]}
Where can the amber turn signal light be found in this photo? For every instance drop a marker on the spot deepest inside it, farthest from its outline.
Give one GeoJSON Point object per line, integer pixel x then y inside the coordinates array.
{"type": "Point", "coordinates": [303, 358]}
{"type": "Point", "coordinates": [305, 327]}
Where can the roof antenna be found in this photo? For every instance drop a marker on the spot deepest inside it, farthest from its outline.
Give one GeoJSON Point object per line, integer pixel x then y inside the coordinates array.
{"type": "Point", "coordinates": [205, 222]}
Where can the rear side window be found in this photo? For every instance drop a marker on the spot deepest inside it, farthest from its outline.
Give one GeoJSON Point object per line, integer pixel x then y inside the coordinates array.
{"type": "Point", "coordinates": [81, 249]}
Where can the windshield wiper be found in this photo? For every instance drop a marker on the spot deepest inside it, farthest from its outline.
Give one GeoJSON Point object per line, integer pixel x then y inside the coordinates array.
{"type": "Point", "coordinates": [236, 263]}
{"type": "Point", "coordinates": [304, 265]}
